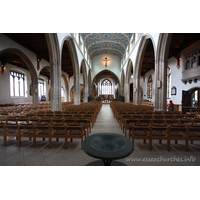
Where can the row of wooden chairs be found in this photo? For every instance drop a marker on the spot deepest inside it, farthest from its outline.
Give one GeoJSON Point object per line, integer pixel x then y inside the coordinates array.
{"type": "Point", "coordinates": [34, 131]}
{"type": "Point", "coordinates": [86, 122]}
{"type": "Point", "coordinates": [167, 133]}
{"type": "Point", "coordinates": [129, 122]}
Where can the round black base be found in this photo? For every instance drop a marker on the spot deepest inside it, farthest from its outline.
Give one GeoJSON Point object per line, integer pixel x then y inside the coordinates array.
{"type": "Point", "coordinates": [100, 163]}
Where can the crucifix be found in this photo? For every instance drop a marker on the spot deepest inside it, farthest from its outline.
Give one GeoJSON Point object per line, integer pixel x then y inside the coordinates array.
{"type": "Point", "coordinates": [106, 59]}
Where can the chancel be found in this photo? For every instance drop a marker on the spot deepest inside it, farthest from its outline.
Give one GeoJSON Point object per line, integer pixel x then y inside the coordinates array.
{"type": "Point", "coordinates": [58, 89]}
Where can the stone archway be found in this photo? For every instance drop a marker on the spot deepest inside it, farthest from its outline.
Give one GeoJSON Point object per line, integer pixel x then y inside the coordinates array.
{"type": "Point", "coordinates": [85, 81]}
{"type": "Point", "coordinates": [75, 64]}
{"type": "Point", "coordinates": [161, 63]}
{"type": "Point", "coordinates": [31, 68]}
{"type": "Point", "coordinates": [55, 70]}
{"type": "Point", "coordinates": [138, 66]}
{"type": "Point", "coordinates": [127, 81]}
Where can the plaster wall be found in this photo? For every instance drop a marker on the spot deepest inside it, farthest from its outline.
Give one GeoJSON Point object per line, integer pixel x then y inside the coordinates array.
{"type": "Point", "coordinates": [176, 81]}
{"type": "Point", "coordinates": [112, 65]}
{"type": "Point", "coordinates": [5, 97]}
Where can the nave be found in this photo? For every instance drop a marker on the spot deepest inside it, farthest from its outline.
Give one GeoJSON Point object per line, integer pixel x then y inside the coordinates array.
{"type": "Point", "coordinates": [42, 155]}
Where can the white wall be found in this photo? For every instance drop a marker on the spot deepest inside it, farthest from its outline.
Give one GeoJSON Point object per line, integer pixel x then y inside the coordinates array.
{"type": "Point", "coordinates": [5, 97]}
{"type": "Point", "coordinates": [176, 81]}
{"type": "Point", "coordinates": [99, 65]}
{"type": "Point", "coordinates": [145, 83]}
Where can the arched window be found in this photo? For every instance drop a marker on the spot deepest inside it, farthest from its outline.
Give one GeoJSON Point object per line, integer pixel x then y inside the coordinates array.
{"type": "Point", "coordinates": [16, 84]}
{"type": "Point", "coordinates": [168, 82]}
{"type": "Point", "coordinates": [149, 93]}
{"type": "Point", "coordinates": [106, 87]}
{"type": "Point", "coordinates": [40, 87]}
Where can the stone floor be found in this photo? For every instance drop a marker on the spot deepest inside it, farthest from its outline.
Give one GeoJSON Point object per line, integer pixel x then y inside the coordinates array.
{"type": "Point", "coordinates": [26, 155]}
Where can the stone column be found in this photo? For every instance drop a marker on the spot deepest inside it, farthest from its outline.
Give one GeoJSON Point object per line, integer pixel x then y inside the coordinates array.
{"type": "Point", "coordinates": [56, 104]}
{"type": "Point", "coordinates": [160, 85]}
{"type": "Point", "coordinates": [127, 92]}
{"type": "Point", "coordinates": [85, 93]}
{"type": "Point", "coordinates": [35, 93]}
{"type": "Point", "coordinates": [136, 91]}
{"type": "Point", "coordinates": [76, 91]}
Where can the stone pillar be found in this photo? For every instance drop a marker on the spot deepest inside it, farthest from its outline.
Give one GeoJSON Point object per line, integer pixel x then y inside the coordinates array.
{"type": "Point", "coordinates": [121, 90]}
{"type": "Point", "coordinates": [85, 93]}
{"type": "Point", "coordinates": [35, 93]}
{"type": "Point", "coordinates": [56, 104]}
{"type": "Point", "coordinates": [76, 91]}
{"type": "Point", "coordinates": [127, 92]}
{"type": "Point", "coordinates": [160, 85]}
{"type": "Point", "coordinates": [136, 91]}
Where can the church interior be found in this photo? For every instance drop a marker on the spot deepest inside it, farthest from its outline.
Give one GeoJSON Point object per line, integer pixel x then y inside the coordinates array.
{"type": "Point", "coordinates": [116, 81]}
{"type": "Point", "coordinates": [63, 91]}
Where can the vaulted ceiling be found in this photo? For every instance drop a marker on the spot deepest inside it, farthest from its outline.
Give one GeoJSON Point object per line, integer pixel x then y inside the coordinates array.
{"type": "Point", "coordinates": [109, 43]}
{"type": "Point", "coordinates": [96, 43]}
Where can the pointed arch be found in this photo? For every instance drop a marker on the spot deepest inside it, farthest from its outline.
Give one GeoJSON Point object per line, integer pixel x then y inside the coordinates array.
{"type": "Point", "coordinates": [85, 81]}
{"type": "Point", "coordinates": [127, 80]}
{"type": "Point", "coordinates": [33, 72]}
{"type": "Point", "coordinates": [161, 63]}
{"type": "Point", "coordinates": [75, 64]}
{"type": "Point", "coordinates": [55, 70]}
{"type": "Point", "coordinates": [138, 66]}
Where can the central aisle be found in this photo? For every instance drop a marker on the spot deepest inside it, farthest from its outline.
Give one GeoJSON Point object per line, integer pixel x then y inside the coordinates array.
{"type": "Point", "coordinates": [106, 122]}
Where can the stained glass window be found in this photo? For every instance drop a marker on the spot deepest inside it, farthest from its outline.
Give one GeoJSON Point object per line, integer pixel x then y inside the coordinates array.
{"type": "Point", "coordinates": [106, 87]}
{"type": "Point", "coordinates": [16, 84]}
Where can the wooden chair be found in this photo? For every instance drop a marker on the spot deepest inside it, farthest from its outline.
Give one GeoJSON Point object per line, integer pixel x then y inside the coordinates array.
{"type": "Point", "coordinates": [57, 131]}
{"type": "Point", "coordinates": [141, 132]}
{"type": "Point", "coordinates": [160, 132]}
{"type": "Point", "coordinates": [90, 117]}
{"type": "Point", "coordinates": [85, 123]}
{"type": "Point", "coordinates": [172, 121]}
{"type": "Point", "coordinates": [122, 119]}
{"type": "Point", "coordinates": [70, 121]}
{"type": "Point", "coordinates": [10, 130]}
{"type": "Point", "coordinates": [144, 121]}
{"type": "Point", "coordinates": [196, 121]}
{"type": "Point", "coordinates": [26, 130]}
{"type": "Point", "coordinates": [193, 133]}
{"type": "Point", "coordinates": [156, 122]}
{"type": "Point", "coordinates": [34, 120]}
{"type": "Point", "coordinates": [42, 131]}
{"type": "Point", "coordinates": [180, 116]}
{"type": "Point", "coordinates": [11, 120]}
{"type": "Point", "coordinates": [2, 129]}
{"type": "Point", "coordinates": [45, 120]}
{"type": "Point", "coordinates": [57, 120]}
{"type": "Point", "coordinates": [185, 121]}
{"type": "Point", "coordinates": [178, 132]}
{"type": "Point", "coordinates": [68, 116]}
{"type": "Point", "coordinates": [75, 132]}
{"type": "Point", "coordinates": [22, 120]}
{"type": "Point", "coordinates": [31, 115]}
{"type": "Point", "coordinates": [128, 123]}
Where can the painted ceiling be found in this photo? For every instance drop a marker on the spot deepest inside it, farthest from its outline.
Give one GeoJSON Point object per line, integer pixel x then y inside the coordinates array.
{"type": "Point", "coordinates": [109, 43]}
